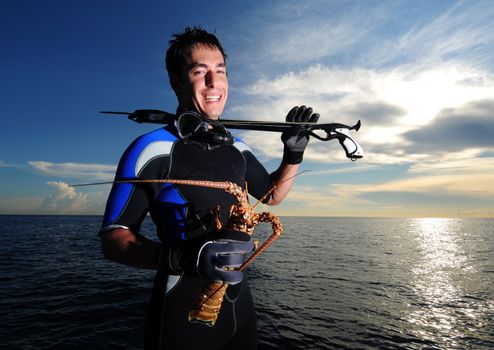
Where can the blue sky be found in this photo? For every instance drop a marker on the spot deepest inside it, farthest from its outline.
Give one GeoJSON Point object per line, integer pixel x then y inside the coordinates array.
{"type": "Point", "coordinates": [418, 74]}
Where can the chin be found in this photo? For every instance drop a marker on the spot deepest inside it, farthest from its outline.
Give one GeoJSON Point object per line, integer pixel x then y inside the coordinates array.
{"type": "Point", "coordinates": [212, 114]}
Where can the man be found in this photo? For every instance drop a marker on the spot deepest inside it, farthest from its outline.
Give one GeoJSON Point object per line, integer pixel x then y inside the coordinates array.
{"type": "Point", "coordinates": [190, 251]}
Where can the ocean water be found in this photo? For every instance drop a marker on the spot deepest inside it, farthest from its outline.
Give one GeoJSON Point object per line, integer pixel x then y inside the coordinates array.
{"type": "Point", "coordinates": [327, 283]}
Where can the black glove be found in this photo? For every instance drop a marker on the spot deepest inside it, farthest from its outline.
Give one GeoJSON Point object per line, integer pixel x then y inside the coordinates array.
{"type": "Point", "coordinates": [213, 257]}
{"type": "Point", "coordinates": [295, 139]}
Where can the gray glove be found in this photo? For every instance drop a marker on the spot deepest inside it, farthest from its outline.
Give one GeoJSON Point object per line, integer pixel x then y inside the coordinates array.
{"type": "Point", "coordinates": [214, 256]}
{"type": "Point", "coordinates": [217, 260]}
{"type": "Point", "coordinates": [296, 139]}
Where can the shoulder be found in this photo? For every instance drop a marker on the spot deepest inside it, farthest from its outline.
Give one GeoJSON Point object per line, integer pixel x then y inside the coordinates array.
{"type": "Point", "coordinates": [161, 135]}
{"type": "Point", "coordinates": [142, 150]}
{"type": "Point", "coordinates": [241, 145]}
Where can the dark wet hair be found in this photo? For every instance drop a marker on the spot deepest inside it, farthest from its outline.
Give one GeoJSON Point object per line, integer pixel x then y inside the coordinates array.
{"type": "Point", "coordinates": [183, 42]}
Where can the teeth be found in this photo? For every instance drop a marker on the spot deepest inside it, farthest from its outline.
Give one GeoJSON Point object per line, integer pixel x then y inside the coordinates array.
{"type": "Point", "coordinates": [212, 98]}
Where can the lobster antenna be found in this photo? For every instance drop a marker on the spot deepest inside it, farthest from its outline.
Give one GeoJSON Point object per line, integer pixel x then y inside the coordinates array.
{"type": "Point", "coordinates": [92, 184]}
{"type": "Point", "coordinates": [275, 186]}
{"type": "Point", "coordinates": [164, 180]}
{"type": "Point", "coordinates": [130, 181]}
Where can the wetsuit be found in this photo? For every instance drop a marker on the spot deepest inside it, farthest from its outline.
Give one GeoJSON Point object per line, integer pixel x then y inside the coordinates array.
{"type": "Point", "coordinates": [180, 213]}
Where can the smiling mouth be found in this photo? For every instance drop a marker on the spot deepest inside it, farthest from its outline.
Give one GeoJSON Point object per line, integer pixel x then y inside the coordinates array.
{"type": "Point", "coordinates": [212, 98]}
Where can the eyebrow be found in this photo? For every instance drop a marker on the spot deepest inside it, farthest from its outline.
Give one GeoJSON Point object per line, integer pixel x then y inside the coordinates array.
{"type": "Point", "coordinates": [203, 65]}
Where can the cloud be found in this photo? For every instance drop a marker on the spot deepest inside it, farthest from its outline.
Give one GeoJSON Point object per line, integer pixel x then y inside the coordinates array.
{"type": "Point", "coordinates": [20, 205]}
{"type": "Point", "coordinates": [434, 195]}
{"type": "Point", "coordinates": [456, 129]}
{"type": "Point", "coordinates": [12, 165]}
{"type": "Point", "coordinates": [468, 162]}
{"type": "Point", "coordinates": [297, 45]}
{"type": "Point", "coordinates": [391, 103]}
{"type": "Point", "coordinates": [333, 200]}
{"type": "Point", "coordinates": [451, 185]}
{"type": "Point", "coordinates": [295, 32]}
{"type": "Point", "coordinates": [363, 34]}
{"type": "Point", "coordinates": [396, 67]}
{"type": "Point", "coordinates": [318, 80]}
{"type": "Point", "coordinates": [420, 194]}
{"type": "Point", "coordinates": [354, 168]}
{"type": "Point", "coordinates": [66, 200]}
{"type": "Point", "coordinates": [86, 171]}
{"type": "Point", "coordinates": [462, 32]}
{"type": "Point", "coordinates": [471, 186]}
{"type": "Point", "coordinates": [446, 188]}
{"type": "Point", "coordinates": [381, 113]}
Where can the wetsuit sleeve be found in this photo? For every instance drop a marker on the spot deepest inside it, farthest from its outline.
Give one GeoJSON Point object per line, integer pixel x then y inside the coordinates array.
{"type": "Point", "coordinates": [127, 203]}
{"type": "Point", "coordinates": [146, 158]}
{"type": "Point", "coordinates": [257, 177]}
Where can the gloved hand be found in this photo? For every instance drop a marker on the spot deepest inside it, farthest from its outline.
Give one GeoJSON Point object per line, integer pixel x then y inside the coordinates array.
{"type": "Point", "coordinates": [294, 139]}
{"type": "Point", "coordinates": [213, 257]}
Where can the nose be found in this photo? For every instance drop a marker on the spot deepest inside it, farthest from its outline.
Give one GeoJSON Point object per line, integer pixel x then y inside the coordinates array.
{"type": "Point", "coordinates": [210, 79]}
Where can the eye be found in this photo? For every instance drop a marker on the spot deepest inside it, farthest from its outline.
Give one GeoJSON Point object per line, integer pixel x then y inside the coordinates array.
{"type": "Point", "coordinates": [198, 72]}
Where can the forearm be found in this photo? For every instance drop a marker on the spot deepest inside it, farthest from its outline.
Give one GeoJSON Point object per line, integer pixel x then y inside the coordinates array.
{"type": "Point", "coordinates": [283, 180]}
{"type": "Point", "coordinates": [214, 260]}
{"type": "Point", "coordinates": [295, 141]}
{"type": "Point", "coordinates": [125, 247]}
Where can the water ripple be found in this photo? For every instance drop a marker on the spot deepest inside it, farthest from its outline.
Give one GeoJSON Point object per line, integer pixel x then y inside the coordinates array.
{"type": "Point", "coordinates": [328, 283]}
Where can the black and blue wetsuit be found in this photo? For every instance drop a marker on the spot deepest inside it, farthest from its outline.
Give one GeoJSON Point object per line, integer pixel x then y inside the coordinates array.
{"type": "Point", "coordinates": [182, 212]}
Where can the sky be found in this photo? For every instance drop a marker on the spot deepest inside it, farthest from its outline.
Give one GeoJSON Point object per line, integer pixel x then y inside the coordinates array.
{"type": "Point", "coordinates": [418, 74]}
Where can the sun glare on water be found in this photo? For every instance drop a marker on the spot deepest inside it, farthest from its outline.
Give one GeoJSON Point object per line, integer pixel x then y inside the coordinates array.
{"type": "Point", "coordinates": [438, 280]}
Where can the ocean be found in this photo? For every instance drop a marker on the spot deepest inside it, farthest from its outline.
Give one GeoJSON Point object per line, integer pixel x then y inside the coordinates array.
{"type": "Point", "coordinates": [327, 283]}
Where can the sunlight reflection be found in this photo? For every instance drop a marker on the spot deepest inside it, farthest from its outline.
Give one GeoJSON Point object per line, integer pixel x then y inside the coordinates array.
{"type": "Point", "coordinates": [434, 278]}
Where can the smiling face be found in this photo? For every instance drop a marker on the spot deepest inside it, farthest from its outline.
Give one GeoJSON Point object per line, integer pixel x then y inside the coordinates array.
{"type": "Point", "coordinates": [203, 84]}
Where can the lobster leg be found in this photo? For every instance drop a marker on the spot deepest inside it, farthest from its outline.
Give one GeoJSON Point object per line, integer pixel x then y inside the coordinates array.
{"type": "Point", "coordinates": [277, 230]}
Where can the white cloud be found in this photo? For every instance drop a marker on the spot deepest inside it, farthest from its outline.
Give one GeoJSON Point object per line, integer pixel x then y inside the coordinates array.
{"type": "Point", "coordinates": [402, 66]}
{"type": "Point", "coordinates": [294, 34]}
{"type": "Point", "coordinates": [463, 32]}
{"type": "Point", "coordinates": [408, 99]}
{"type": "Point", "coordinates": [298, 46]}
{"type": "Point", "coordinates": [352, 168]}
{"type": "Point", "coordinates": [66, 200]}
{"type": "Point", "coordinates": [288, 33]}
{"type": "Point", "coordinates": [459, 163]}
{"type": "Point", "coordinates": [419, 195]}
{"type": "Point", "coordinates": [473, 185]}
{"type": "Point", "coordinates": [86, 171]}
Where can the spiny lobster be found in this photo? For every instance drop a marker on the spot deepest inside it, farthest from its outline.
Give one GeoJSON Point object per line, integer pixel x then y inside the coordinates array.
{"type": "Point", "coordinates": [241, 218]}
